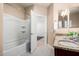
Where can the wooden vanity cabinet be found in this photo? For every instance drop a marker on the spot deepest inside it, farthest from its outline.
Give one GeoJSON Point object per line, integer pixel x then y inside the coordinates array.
{"type": "Point", "coordinates": [62, 52]}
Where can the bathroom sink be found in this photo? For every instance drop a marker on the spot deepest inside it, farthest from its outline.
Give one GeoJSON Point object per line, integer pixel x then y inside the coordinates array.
{"type": "Point", "coordinates": [68, 43]}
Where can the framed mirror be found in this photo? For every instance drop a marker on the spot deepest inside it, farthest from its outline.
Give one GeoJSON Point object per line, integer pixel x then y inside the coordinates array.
{"type": "Point", "coordinates": [68, 18]}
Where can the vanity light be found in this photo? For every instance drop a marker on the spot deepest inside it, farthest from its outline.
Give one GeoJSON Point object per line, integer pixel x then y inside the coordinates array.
{"type": "Point", "coordinates": [65, 16]}
{"type": "Point", "coordinates": [65, 12]}
{"type": "Point", "coordinates": [62, 14]}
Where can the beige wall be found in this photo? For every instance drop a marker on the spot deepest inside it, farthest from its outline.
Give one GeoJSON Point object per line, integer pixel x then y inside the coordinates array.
{"type": "Point", "coordinates": [15, 10]}
{"type": "Point", "coordinates": [1, 29]}
{"type": "Point", "coordinates": [50, 25]}
{"type": "Point", "coordinates": [28, 11]}
{"type": "Point", "coordinates": [40, 9]}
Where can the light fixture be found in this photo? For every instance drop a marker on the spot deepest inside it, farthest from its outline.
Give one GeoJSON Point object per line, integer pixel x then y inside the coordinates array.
{"type": "Point", "coordinates": [65, 12]}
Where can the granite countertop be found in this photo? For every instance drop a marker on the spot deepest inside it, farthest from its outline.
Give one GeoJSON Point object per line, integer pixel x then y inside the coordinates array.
{"type": "Point", "coordinates": [69, 48]}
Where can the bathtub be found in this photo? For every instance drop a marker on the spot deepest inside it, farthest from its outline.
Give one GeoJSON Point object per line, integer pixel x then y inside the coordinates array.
{"type": "Point", "coordinates": [20, 50]}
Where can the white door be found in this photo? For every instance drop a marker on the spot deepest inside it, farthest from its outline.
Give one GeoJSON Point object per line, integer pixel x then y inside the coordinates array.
{"type": "Point", "coordinates": [33, 31]}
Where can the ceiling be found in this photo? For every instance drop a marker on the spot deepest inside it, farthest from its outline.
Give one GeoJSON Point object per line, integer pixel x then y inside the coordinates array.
{"type": "Point", "coordinates": [43, 4]}
{"type": "Point", "coordinates": [25, 4]}
{"type": "Point", "coordinates": [30, 4]}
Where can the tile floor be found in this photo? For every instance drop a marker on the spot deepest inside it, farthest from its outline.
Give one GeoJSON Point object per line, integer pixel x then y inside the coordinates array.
{"type": "Point", "coordinates": [43, 50]}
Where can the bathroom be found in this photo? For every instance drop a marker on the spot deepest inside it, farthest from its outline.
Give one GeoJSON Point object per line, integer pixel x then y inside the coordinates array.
{"type": "Point", "coordinates": [39, 29]}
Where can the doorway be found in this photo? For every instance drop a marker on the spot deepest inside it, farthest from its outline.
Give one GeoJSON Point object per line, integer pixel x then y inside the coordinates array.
{"type": "Point", "coordinates": [38, 31]}
{"type": "Point", "coordinates": [41, 31]}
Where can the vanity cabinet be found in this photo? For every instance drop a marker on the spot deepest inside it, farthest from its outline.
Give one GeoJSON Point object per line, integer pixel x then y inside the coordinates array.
{"type": "Point", "coordinates": [62, 52]}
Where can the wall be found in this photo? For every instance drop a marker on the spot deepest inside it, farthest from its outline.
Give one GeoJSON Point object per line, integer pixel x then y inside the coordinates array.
{"type": "Point", "coordinates": [50, 24]}
{"type": "Point", "coordinates": [28, 11]}
{"type": "Point", "coordinates": [40, 9]}
{"type": "Point", "coordinates": [14, 10]}
{"type": "Point", "coordinates": [1, 28]}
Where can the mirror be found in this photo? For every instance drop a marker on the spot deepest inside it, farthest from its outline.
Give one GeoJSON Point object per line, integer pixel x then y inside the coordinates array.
{"type": "Point", "coordinates": [62, 21]}
{"type": "Point", "coordinates": [68, 18]}
{"type": "Point", "coordinates": [74, 17]}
